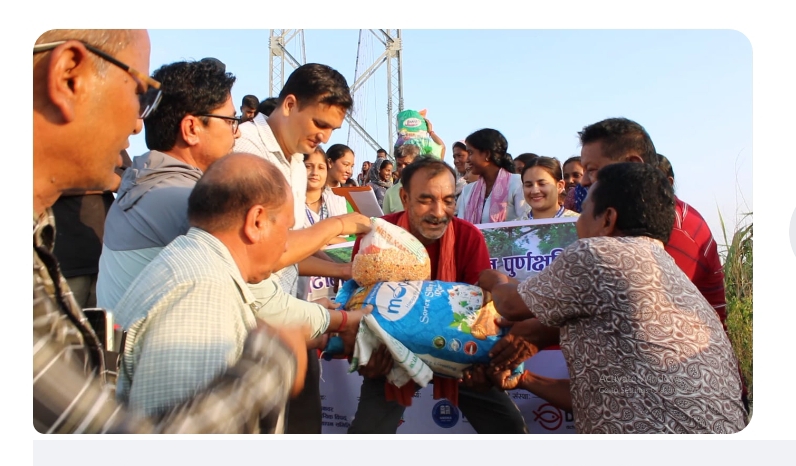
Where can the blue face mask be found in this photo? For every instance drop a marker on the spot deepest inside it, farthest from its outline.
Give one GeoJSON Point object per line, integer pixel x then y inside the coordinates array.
{"type": "Point", "coordinates": [580, 195]}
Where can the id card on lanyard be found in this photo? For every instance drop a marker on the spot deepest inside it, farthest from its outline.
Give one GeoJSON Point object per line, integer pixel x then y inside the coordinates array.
{"type": "Point", "coordinates": [324, 213]}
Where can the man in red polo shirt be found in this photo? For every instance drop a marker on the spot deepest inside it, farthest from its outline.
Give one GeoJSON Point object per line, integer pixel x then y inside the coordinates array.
{"type": "Point", "coordinates": [458, 253]}
{"type": "Point", "coordinates": [691, 244]}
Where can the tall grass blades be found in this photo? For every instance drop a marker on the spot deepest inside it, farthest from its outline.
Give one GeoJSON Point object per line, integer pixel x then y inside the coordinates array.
{"type": "Point", "coordinates": [738, 288]}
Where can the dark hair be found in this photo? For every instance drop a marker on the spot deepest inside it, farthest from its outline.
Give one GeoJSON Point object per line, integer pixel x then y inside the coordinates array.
{"type": "Point", "coordinates": [381, 151]}
{"type": "Point", "coordinates": [640, 194]}
{"type": "Point", "coordinates": [433, 164]}
{"type": "Point", "coordinates": [665, 166]}
{"type": "Point", "coordinates": [570, 160]}
{"type": "Point", "coordinates": [250, 101]}
{"type": "Point", "coordinates": [319, 150]}
{"type": "Point", "coordinates": [620, 138]}
{"type": "Point", "coordinates": [460, 145]}
{"type": "Point", "coordinates": [267, 106]}
{"type": "Point", "coordinates": [526, 158]}
{"type": "Point", "coordinates": [337, 151]}
{"type": "Point", "coordinates": [492, 141]}
{"type": "Point", "coordinates": [189, 88]}
{"type": "Point", "coordinates": [550, 164]}
{"type": "Point", "coordinates": [223, 196]}
{"type": "Point", "coordinates": [314, 83]}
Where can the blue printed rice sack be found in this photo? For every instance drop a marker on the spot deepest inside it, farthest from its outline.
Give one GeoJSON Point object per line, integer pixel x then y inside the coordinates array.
{"type": "Point", "coordinates": [444, 325]}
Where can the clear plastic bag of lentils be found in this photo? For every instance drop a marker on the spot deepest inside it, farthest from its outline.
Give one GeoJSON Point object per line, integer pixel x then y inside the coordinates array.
{"type": "Point", "coordinates": [390, 254]}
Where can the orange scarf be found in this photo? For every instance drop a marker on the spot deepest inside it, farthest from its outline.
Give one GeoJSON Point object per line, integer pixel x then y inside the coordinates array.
{"type": "Point", "coordinates": [444, 387]}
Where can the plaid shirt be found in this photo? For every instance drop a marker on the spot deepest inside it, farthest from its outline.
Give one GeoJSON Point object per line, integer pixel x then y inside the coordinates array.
{"type": "Point", "coordinates": [72, 390]}
{"type": "Point", "coordinates": [187, 315]}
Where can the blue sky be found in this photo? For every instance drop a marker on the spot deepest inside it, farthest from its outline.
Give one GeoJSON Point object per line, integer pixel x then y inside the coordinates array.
{"type": "Point", "coordinates": [691, 90]}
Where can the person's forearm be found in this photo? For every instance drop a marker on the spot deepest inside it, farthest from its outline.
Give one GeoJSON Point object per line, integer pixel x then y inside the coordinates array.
{"type": "Point", "coordinates": [257, 387]}
{"type": "Point", "coordinates": [68, 400]}
{"type": "Point", "coordinates": [316, 267]}
{"type": "Point", "coordinates": [541, 335]}
{"type": "Point", "coordinates": [555, 391]}
{"type": "Point", "coordinates": [280, 309]}
{"type": "Point", "coordinates": [439, 142]}
{"type": "Point", "coordinates": [509, 303]}
{"type": "Point", "coordinates": [307, 241]}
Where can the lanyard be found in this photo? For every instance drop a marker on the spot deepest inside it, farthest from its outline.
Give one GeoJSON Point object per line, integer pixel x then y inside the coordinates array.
{"type": "Point", "coordinates": [324, 213]}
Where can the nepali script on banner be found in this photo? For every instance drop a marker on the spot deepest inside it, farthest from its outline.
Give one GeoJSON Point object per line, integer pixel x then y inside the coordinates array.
{"type": "Point", "coordinates": [520, 249]}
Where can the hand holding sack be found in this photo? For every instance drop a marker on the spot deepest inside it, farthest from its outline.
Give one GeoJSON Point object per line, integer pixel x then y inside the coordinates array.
{"type": "Point", "coordinates": [429, 327]}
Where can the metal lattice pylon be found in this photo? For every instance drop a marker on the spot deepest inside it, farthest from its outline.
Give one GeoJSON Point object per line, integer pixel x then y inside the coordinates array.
{"type": "Point", "coordinates": [281, 40]}
{"type": "Point", "coordinates": [392, 57]}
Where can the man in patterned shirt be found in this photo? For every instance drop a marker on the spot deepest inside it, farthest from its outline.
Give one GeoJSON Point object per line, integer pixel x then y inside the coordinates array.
{"type": "Point", "coordinates": [75, 74]}
{"type": "Point", "coordinates": [690, 242]}
{"type": "Point", "coordinates": [646, 352]}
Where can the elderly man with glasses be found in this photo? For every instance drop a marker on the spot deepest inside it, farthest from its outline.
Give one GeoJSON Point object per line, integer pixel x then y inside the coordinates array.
{"type": "Point", "coordinates": [72, 85]}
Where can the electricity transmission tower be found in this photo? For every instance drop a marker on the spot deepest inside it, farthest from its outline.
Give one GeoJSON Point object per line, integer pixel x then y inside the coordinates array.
{"type": "Point", "coordinates": [366, 68]}
{"type": "Point", "coordinates": [287, 47]}
{"type": "Point", "coordinates": [282, 41]}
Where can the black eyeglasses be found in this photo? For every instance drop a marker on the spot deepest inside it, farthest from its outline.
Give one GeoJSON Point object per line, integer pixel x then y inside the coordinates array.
{"type": "Point", "coordinates": [235, 121]}
{"type": "Point", "coordinates": [149, 93]}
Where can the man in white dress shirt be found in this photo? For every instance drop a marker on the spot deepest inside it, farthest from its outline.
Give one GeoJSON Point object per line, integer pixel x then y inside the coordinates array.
{"type": "Point", "coordinates": [311, 105]}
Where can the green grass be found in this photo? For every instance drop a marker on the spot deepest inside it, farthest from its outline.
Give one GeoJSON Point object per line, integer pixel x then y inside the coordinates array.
{"type": "Point", "coordinates": [738, 288]}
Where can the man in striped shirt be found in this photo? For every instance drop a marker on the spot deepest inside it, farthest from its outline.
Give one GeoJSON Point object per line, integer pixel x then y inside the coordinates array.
{"type": "Point", "coordinates": [73, 81]}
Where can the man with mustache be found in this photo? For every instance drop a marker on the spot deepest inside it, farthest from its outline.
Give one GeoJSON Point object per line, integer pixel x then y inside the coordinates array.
{"type": "Point", "coordinates": [458, 253]}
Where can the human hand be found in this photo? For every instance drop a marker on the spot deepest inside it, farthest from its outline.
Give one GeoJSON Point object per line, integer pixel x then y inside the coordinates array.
{"type": "Point", "coordinates": [475, 378]}
{"type": "Point", "coordinates": [519, 345]}
{"type": "Point", "coordinates": [489, 278]}
{"type": "Point", "coordinates": [319, 342]}
{"type": "Point", "coordinates": [295, 339]}
{"type": "Point", "coordinates": [327, 303]}
{"type": "Point", "coordinates": [353, 223]}
{"type": "Point", "coordinates": [378, 365]}
{"type": "Point", "coordinates": [345, 271]}
{"type": "Point", "coordinates": [428, 125]}
{"type": "Point", "coordinates": [508, 302]}
{"type": "Point", "coordinates": [349, 331]}
{"type": "Point", "coordinates": [505, 379]}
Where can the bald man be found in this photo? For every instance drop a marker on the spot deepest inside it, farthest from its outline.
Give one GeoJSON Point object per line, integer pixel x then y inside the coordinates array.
{"type": "Point", "coordinates": [189, 310]}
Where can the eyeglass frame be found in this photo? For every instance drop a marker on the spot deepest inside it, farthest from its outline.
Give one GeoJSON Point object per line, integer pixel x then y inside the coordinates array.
{"type": "Point", "coordinates": [142, 79]}
{"type": "Point", "coordinates": [235, 120]}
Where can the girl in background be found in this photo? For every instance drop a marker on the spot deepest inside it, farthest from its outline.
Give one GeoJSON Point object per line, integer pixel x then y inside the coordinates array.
{"type": "Point", "coordinates": [380, 178]}
{"type": "Point", "coordinates": [321, 201]}
{"type": "Point", "coordinates": [340, 160]}
{"type": "Point", "coordinates": [542, 184]}
{"type": "Point", "coordinates": [497, 195]}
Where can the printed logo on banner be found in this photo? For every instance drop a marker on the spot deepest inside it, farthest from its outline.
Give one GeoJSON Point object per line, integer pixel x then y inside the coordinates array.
{"type": "Point", "coordinates": [445, 414]}
{"type": "Point", "coordinates": [548, 416]}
